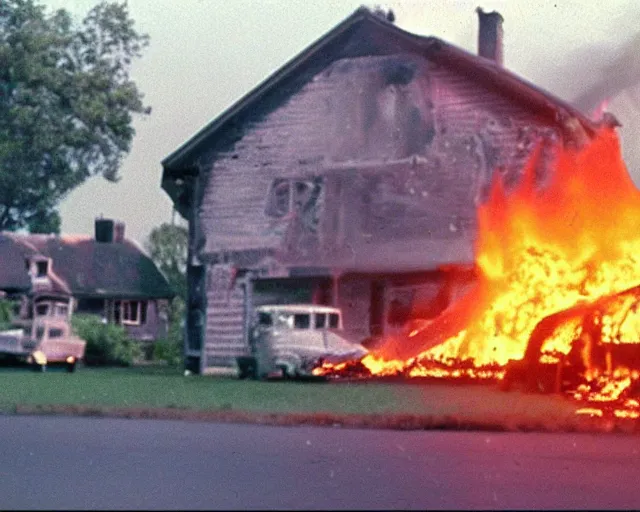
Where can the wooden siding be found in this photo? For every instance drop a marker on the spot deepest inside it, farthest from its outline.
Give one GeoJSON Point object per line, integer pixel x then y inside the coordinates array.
{"type": "Point", "coordinates": [354, 298]}
{"type": "Point", "coordinates": [225, 336]}
{"type": "Point", "coordinates": [400, 152]}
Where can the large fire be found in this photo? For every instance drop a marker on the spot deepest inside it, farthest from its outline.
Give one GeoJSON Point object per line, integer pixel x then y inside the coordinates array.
{"type": "Point", "coordinates": [565, 236]}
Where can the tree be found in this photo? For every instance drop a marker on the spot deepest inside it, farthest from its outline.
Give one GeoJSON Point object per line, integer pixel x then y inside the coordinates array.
{"type": "Point", "coordinates": [167, 247]}
{"type": "Point", "coordinates": [66, 104]}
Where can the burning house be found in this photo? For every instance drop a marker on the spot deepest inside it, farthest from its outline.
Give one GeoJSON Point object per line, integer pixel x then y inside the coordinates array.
{"type": "Point", "coordinates": [352, 177]}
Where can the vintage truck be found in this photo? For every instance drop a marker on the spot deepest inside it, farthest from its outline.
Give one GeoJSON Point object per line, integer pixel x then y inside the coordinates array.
{"type": "Point", "coordinates": [46, 341]}
{"type": "Point", "coordinates": [291, 340]}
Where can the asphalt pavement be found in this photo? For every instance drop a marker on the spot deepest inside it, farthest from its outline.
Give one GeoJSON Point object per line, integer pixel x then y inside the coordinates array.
{"type": "Point", "coordinates": [96, 463]}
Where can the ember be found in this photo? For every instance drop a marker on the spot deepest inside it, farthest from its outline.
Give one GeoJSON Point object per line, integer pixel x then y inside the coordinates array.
{"type": "Point", "coordinates": [570, 240]}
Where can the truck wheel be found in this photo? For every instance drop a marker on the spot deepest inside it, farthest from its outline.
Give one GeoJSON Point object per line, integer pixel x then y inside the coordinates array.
{"type": "Point", "coordinates": [71, 367]}
{"type": "Point", "coordinates": [288, 372]}
{"type": "Point", "coordinates": [246, 367]}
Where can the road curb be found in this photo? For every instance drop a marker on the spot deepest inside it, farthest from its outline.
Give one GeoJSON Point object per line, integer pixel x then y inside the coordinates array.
{"type": "Point", "coordinates": [582, 424]}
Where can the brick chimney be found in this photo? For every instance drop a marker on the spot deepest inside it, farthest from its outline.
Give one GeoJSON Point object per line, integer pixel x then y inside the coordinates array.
{"type": "Point", "coordinates": [490, 35]}
{"type": "Point", "coordinates": [118, 232]}
{"type": "Point", "coordinates": [109, 231]}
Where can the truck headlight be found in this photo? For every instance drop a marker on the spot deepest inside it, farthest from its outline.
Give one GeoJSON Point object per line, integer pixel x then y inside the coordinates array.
{"type": "Point", "coordinates": [39, 357]}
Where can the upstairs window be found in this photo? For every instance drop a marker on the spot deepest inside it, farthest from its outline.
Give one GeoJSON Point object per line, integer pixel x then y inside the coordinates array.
{"type": "Point", "coordinates": [62, 310]}
{"type": "Point", "coordinates": [42, 310]}
{"type": "Point", "coordinates": [42, 268]}
{"type": "Point", "coordinates": [279, 200]}
{"type": "Point", "coordinates": [287, 195]}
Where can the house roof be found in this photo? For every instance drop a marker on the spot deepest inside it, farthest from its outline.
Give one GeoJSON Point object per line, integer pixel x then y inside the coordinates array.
{"type": "Point", "coordinates": [382, 36]}
{"type": "Point", "coordinates": [83, 267]}
{"type": "Point", "coordinates": [13, 271]}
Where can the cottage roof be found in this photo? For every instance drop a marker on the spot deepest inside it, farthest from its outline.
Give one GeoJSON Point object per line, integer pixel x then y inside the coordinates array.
{"type": "Point", "coordinates": [84, 267]}
{"type": "Point", "coordinates": [13, 271]}
{"type": "Point", "coordinates": [365, 33]}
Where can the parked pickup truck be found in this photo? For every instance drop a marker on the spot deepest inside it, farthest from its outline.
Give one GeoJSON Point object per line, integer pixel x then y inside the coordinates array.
{"type": "Point", "coordinates": [292, 340]}
{"type": "Point", "coordinates": [48, 342]}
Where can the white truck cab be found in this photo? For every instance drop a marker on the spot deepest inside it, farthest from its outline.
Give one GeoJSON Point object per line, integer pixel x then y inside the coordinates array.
{"type": "Point", "coordinates": [291, 340]}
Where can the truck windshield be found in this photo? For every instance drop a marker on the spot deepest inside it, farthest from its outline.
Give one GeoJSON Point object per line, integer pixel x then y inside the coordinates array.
{"type": "Point", "coordinates": [55, 333]}
{"type": "Point", "coordinates": [265, 319]}
{"type": "Point", "coordinates": [334, 321]}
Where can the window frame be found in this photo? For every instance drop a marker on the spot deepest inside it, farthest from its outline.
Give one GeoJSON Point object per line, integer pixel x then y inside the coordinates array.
{"type": "Point", "coordinates": [125, 316]}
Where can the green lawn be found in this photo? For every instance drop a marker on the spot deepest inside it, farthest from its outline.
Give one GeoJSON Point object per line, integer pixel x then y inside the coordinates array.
{"type": "Point", "coordinates": [163, 387]}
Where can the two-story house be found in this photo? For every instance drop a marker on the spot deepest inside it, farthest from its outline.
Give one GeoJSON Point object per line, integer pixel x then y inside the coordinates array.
{"type": "Point", "coordinates": [351, 177]}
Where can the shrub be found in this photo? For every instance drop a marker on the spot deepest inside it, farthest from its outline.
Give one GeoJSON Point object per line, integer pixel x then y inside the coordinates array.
{"type": "Point", "coordinates": [107, 344]}
{"type": "Point", "coordinates": [6, 313]}
{"type": "Point", "coordinates": [171, 348]}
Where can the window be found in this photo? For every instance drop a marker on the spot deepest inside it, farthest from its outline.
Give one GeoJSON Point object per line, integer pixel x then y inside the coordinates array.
{"type": "Point", "coordinates": [92, 306]}
{"type": "Point", "coordinates": [279, 200]}
{"type": "Point", "coordinates": [39, 333]}
{"type": "Point", "coordinates": [265, 319]}
{"type": "Point", "coordinates": [62, 310]}
{"type": "Point", "coordinates": [55, 333]}
{"type": "Point", "coordinates": [302, 321]}
{"type": "Point", "coordinates": [42, 268]}
{"type": "Point", "coordinates": [42, 309]}
{"type": "Point", "coordinates": [334, 321]}
{"type": "Point", "coordinates": [321, 320]}
{"type": "Point", "coordinates": [286, 195]}
{"type": "Point", "coordinates": [283, 320]}
{"type": "Point", "coordinates": [130, 312]}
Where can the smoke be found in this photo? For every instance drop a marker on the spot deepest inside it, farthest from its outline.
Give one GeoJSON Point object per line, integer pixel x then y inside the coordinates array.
{"type": "Point", "coordinates": [606, 72]}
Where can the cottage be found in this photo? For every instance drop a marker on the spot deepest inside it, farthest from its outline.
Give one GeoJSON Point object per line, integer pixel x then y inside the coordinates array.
{"type": "Point", "coordinates": [350, 177]}
{"type": "Point", "coordinates": [107, 275]}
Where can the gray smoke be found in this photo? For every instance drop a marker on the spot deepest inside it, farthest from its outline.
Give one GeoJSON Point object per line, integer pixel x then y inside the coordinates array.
{"type": "Point", "coordinates": [608, 71]}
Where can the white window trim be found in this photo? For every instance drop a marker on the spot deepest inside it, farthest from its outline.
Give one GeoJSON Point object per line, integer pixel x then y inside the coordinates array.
{"type": "Point", "coordinates": [123, 307]}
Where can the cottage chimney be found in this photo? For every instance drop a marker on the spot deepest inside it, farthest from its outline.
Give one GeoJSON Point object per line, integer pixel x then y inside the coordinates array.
{"type": "Point", "coordinates": [118, 232]}
{"type": "Point", "coordinates": [109, 231]}
{"type": "Point", "coordinates": [104, 230]}
{"type": "Point", "coordinates": [490, 35]}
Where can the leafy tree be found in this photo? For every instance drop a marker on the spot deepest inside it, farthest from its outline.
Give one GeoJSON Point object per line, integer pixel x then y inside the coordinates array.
{"type": "Point", "coordinates": [167, 247]}
{"type": "Point", "coordinates": [66, 104]}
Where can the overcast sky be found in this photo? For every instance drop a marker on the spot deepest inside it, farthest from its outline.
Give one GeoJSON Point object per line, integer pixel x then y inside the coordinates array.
{"type": "Point", "coordinates": [205, 54]}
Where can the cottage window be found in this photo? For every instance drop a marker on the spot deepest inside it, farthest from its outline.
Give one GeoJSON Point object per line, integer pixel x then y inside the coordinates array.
{"type": "Point", "coordinates": [42, 268]}
{"type": "Point", "coordinates": [42, 309]}
{"type": "Point", "coordinates": [130, 312]}
{"type": "Point", "coordinates": [62, 310]}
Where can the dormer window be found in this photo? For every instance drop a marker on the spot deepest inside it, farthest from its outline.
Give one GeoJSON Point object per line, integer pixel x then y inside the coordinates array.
{"type": "Point", "coordinates": [42, 268]}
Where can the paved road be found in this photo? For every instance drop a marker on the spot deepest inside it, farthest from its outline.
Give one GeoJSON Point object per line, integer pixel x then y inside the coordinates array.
{"type": "Point", "coordinates": [71, 463]}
